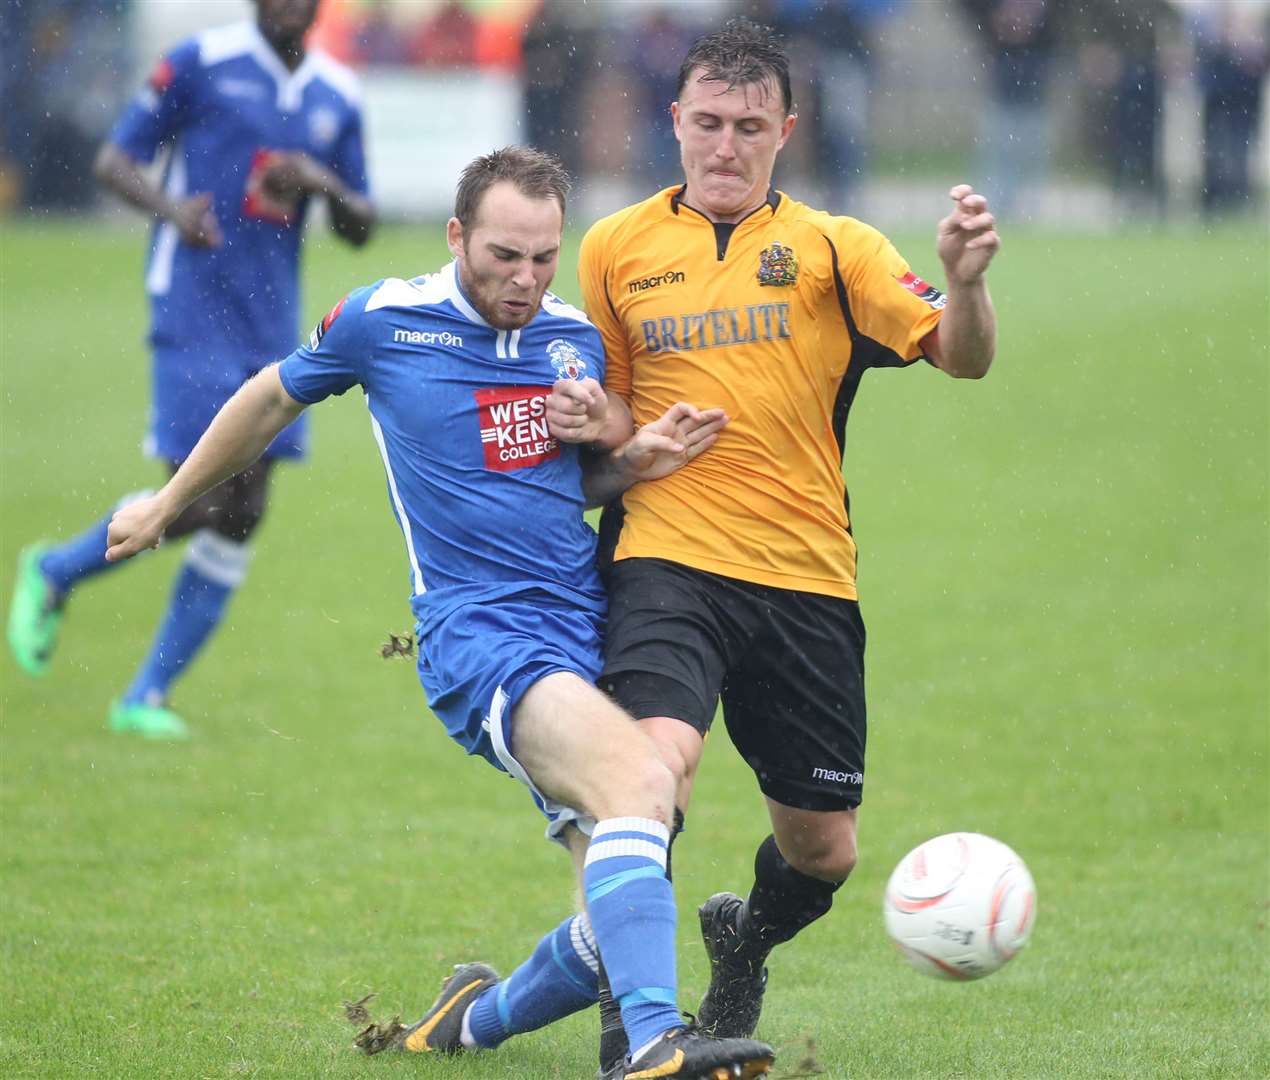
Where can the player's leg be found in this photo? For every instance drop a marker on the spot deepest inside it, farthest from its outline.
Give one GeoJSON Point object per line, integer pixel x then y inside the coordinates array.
{"type": "Point", "coordinates": [664, 662]}
{"type": "Point", "coordinates": [220, 525]}
{"type": "Point", "coordinates": [188, 388]}
{"type": "Point", "coordinates": [558, 979]}
{"type": "Point", "coordinates": [799, 720]}
{"type": "Point", "coordinates": [47, 573]}
{"type": "Point", "coordinates": [580, 749]}
{"type": "Point", "coordinates": [513, 681]}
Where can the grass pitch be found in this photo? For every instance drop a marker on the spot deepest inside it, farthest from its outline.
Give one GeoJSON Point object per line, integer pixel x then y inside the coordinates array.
{"type": "Point", "coordinates": [1064, 572]}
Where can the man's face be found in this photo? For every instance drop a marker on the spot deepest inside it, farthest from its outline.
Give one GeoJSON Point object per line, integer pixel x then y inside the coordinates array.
{"type": "Point", "coordinates": [508, 255]}
{"type": "Point", "coordinates": [728, 139]}
{"type": "Point", "coordinates": [285, 20]}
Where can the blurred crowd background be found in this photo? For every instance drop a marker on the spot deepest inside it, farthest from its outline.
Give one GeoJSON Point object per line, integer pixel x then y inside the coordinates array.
{"type": "Point", "coordinates": [1094, 111]}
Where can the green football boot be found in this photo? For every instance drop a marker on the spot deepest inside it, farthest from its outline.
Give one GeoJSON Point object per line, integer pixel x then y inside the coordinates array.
{"type": "Point", "coordinates": [148, 721]}
{"type": "Point", "coordinates": [35, 614]}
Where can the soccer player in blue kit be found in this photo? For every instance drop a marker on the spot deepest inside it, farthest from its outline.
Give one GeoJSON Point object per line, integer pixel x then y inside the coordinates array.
{"type": "Point", "coordinates": [457, 367]}
{"type": "Point", "coordinates": [256, 126]}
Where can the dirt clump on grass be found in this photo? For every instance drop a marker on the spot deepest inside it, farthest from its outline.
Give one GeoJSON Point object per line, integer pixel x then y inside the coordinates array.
{"type": "Point", "coordinates": [373, 1037]}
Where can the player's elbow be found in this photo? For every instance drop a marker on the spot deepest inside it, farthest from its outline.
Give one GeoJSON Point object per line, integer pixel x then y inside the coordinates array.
{"type": "Point", "coordinates": [965, 367]}
{"type": "Point", "coordinates": [974, 372]}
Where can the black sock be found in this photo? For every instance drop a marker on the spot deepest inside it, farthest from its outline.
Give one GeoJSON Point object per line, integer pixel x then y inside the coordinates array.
{"type": "Point", "coordinates": [614, 1046]}
{"type": "Point", "coordinates": [782, 902]}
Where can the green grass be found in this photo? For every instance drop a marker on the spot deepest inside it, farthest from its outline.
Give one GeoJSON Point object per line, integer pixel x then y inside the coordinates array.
{"type": "Point", "coordinates": [1064, 570]}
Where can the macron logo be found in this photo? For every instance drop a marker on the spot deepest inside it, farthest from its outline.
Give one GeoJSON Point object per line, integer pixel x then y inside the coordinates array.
{"type": "Point", "coordinates": [838, 777]}
{"type": "Point", "coordinates": [428, 337]}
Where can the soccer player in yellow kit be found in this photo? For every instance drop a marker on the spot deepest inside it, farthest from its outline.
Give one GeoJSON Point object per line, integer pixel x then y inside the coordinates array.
{"type": "Point", "coordinates": [735, 578]}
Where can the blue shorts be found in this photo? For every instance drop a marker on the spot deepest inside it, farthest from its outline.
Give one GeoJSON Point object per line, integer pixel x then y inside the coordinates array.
{"type": "Point", "coordinates": [189, 387]}
{"type": "Point", "coordinates": [477, 662]}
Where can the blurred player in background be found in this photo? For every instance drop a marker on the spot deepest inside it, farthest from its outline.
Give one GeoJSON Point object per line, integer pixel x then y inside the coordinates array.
{"type": "Point", "coordinates": [457, 367]}
{"type": "Point", "coordinates": [735, 578]}
{"type": "Point", "coordinates": [256, 125]}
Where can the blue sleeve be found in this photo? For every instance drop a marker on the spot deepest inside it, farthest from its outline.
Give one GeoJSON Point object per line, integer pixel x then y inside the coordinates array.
{"type": "Point", "coordinates": [349, 159]}
{"type": "Point", "coordinates": [162, 107]}
{"type": "Point", "coordinates": [595, 347]}
{"type": "Point", "coordinates": [335, 357]}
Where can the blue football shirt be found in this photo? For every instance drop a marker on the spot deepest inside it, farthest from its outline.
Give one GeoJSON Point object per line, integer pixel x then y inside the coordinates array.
{"type": "Point", "coordinates": [490, 504]}
{"type": "Point", "coordinates": [221, 102]}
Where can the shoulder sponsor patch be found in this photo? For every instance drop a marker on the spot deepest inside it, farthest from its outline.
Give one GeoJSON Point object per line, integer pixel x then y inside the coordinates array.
{"type": "Point", "coordinates": [319, 331]}
{"type": "Point", "coordinates": [513, 423]}
{"type": "Point", "coordinates": [923, 290]}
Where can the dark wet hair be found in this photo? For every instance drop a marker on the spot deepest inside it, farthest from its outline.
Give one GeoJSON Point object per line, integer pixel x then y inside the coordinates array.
{"type": "Point", "coordinates": [535, 173]}
{"type": "Point", "coordinates": [742, 52]}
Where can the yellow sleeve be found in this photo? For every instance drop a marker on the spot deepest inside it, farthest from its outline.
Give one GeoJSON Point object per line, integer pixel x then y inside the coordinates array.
{"type": "Point", "coordinates": [890, 303]}
{"type": "Point", "coordinates": [593, 281]}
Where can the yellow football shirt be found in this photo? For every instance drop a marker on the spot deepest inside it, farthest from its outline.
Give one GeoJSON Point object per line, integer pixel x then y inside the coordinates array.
{"type": "Point", "coordinates": [774, 320]}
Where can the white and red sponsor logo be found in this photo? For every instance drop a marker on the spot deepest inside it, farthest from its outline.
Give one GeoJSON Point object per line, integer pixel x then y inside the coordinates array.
{"type": "Point", "coordinates": [514, 427]}
{"type": "Point", "coordinates": [922, 290]}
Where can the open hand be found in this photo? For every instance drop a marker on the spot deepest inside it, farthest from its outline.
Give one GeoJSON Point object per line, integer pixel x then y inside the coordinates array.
{"type": "Point", "coordinates": [681, 434]}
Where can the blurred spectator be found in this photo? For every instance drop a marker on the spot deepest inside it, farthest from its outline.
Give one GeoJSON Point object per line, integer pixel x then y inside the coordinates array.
{"type": "Point", "coordinates": [448, 38]}
{"type": "Point", "coordinates": [378, 38]}
{"type": "Point", "coordinates": [1120, 67]}
{"type": "Point", "coordinates": [63, 61]}
{"type": "Point", "coordinates": [1014, 140]}
{"type": "Point", "coordinates": [1231, 62]}
{"type": "Point", "coordinates": [834, 40]}
{"type": "Point", "coordinates": [653, 54]}
{"type": "Point", "coordinates": [558, 66]}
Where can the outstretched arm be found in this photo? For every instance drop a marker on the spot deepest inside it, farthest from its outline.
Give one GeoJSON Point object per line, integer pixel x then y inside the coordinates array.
{"type": "Point", "coordinates": [239, 434]}
{"type": "Point", "coordinates": [683, 432]}
{"type": "Point", "coordinates": [965, 341]}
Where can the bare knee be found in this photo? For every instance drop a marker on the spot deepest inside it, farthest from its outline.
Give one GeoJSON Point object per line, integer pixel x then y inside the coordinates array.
{"type": "Point", "coordinates": [678, 744]}
{"type": "Point", "coordinates": [640, 785]}
{"type": "Point", "coordinates": [826, 863]}
{"type": "Point", "coordinates": [820, 845]}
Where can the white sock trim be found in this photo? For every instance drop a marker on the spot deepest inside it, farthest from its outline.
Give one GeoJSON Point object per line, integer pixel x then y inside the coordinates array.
{"type": "Point", "coordinates": [218, 558]}
{"type": "Point", "coordinates": [616, 849]}
{"type": "Point", "coordinates": [583, 941]}
{"type": "Point", "coordinates": [465, 1032]}
{"type": "Point", "coordinates": [647, 1047]}
{"type": "Point", "coordinates": [650, 826]}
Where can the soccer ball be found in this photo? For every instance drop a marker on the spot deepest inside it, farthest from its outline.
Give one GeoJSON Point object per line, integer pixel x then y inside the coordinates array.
{"type": "Point", "coordinates": [959, 906]}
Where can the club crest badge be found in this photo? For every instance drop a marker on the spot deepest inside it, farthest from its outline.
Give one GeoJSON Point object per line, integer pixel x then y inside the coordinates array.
{"type": "Point", "coordinates": [566, 359]}
{"type": "Point", "coordinates": [777, 265]}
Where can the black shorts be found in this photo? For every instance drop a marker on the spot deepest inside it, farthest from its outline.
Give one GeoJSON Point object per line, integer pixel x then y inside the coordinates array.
{"type": "Point", "coordinates": [788, 665]}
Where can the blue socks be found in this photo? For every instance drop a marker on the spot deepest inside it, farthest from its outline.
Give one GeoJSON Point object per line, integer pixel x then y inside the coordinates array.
{"type": "Point", "coordinates": [557, 980]}
{"type": "Point", "coordinates": [68, 564]}
{"type": "Point", "coordinates": [632, 909]}
{"type": "Point", "coordinates": [214, 567]}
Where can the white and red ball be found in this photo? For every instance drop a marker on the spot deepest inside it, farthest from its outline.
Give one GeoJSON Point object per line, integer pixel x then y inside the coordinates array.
{"type": "Point", "coordinates": [960, 906]}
